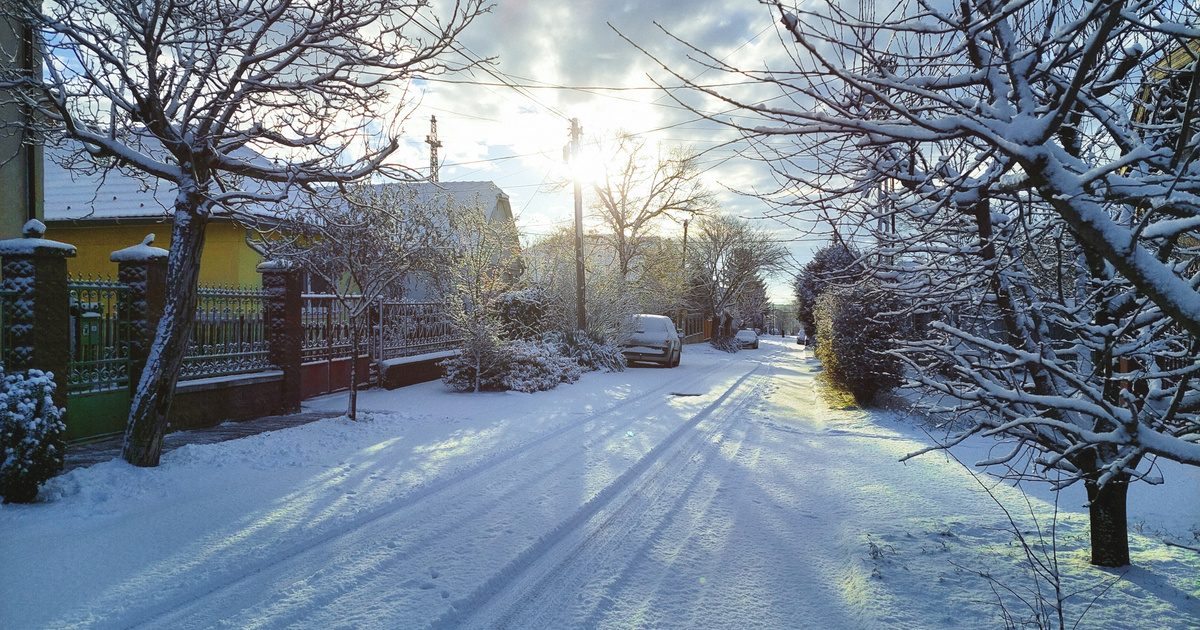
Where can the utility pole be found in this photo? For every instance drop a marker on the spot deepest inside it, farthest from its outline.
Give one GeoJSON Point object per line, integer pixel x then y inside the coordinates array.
{"type": "Point", "coordinates": [687, 283]}
{"type": "Point", "coordinates": [580, 289]}
{"type": "Point", "coordinates": [434, 145]}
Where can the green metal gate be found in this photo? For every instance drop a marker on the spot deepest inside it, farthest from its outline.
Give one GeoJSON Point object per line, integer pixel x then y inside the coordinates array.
{"type": "Point", "coordinates": [98, 377]}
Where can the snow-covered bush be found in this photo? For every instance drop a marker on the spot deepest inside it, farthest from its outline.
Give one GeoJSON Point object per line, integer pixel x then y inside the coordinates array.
{"type": "Point", "coordinates": [521, 365]}
{"type": "Point", "coordinates": [482, 363]}
{"type": "Point", "coordinates": [31, 434]}
{"type": "Point", "coordinates": [524, 313]}
{"type": "Point", "coordinates": [855, 330]}
{"type": "Point", "coordinates": [833, 264]}
{"type": "Point", "coordinates": [535, 366]}
{"type": "Point", "coordinates": [591, 351]}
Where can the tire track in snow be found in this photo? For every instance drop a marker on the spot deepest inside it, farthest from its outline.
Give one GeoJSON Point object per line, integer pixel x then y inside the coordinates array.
{"type": "Point", "coordinates": [648, 510]}
{"type": "Point", "coordinates": [463, 610]}
{"type": "Point", "coordinates": [220, 582]}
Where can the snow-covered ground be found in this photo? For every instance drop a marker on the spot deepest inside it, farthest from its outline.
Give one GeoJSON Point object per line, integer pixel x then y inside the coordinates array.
{"type": "Point", "coordinates": [731, 492]}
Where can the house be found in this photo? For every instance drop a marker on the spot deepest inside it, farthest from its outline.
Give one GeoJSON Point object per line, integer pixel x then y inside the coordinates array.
{"type": "Point", "coordinates": [103, 211]}
{"type": "Point", "coordinates": [100, 212]}
{"type": "Point", "coordinates": [20, 163]}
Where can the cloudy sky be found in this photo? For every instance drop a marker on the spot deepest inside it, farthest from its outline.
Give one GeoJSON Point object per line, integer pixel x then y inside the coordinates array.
{"type": "Point", "coordinates": [569, 63]}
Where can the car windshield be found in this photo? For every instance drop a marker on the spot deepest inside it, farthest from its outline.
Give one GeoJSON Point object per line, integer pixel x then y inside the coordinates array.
{"type": "Point", "coordinates": [652, 325]}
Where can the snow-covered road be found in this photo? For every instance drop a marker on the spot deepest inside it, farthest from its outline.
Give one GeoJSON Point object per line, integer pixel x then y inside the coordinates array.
{"type": "Point", "coordinates": [731, 492]}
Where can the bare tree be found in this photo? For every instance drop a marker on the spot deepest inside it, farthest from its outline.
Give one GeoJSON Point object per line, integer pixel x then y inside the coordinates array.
{"type": "Point", "coordinates": [639, 189]}
{"type": "Point", "coordinates": [1028, 171]}
{"type": "Point", "coordinates": [360, 240]}
{"type": "Point", "coordinates": [193, 93]}
{"type": "Point", "coordinates": [728, 257]}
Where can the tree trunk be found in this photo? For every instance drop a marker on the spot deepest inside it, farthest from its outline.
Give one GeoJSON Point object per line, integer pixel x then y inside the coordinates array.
{"type": "Point", "coordinates": [148, 412]}
{"type": "Point", "coordinates": [353, 408]}
{"type": "Point", "coordinates": [1110, 531]}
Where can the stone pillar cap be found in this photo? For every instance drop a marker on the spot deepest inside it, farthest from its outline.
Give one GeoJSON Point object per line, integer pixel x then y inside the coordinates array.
{"type": "Point", "coordinates": [142, 252]}
{"type": "Point", "coordinates": [32, 243]}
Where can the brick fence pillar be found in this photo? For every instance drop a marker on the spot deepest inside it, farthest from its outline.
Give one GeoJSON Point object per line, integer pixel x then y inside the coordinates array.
{"type": "Point", "coordinates": [37, 314]}
{"type": "Point", "coordinates": [282, 284]}
{"type": "Point", "coordinates": [143, 268]}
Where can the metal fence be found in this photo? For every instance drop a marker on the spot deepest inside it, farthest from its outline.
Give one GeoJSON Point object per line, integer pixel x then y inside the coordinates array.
{"type": "Point", "coordinates": [326, 325]}
{"type": "Point", "coordinates": [411, 328]}
{"type": "Point", "coordinates": [229, 334]}
{"type": "Point", "coordinates": [98, 336]}
{"type": "Point", "coordinates": [388, 329]}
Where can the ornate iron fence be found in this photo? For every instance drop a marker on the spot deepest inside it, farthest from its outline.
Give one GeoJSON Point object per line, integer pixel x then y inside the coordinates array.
{"type": "Point", "coordinates": [411, 328]}
{"type": "Point", "coordinates": [229, 334]}
{"type": "Point", "coordinates": [98, 336]}
{"type": "Point", "coordinates": [326, 324]}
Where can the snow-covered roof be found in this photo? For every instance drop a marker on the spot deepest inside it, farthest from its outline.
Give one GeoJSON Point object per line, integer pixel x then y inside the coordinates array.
{"type": "Point", "coordinates": [74, 195]}
{"type": "Point", "coordinates": [78, 195]}
{"type": "Point", "coordinates": [488, 194]}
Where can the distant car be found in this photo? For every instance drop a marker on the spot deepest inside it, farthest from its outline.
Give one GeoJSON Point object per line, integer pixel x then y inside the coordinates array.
{"type": "Point", "coordinates": [652, 339]}
{"type": "Point", "coordinates": [747, 338]}
{"type": "Point", "coordinates": [801, 339]}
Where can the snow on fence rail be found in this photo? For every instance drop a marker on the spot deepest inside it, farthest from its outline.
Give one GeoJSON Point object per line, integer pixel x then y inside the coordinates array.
{"type": "Point", "coordinates": [229, 334]}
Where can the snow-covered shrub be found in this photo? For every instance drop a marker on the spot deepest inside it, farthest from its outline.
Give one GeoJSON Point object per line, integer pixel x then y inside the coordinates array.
{"type": "Point", "coordinates": [482, 363]}
{"type": "Point", "coordinates": [833, 264]}
{"type": "Point", "coordinates": [856, 328]}
{"type": "Point", "coordinates": [31, 434]}
{"type": "Point", "coordinates": [524, 313]}
{"type": "Point", "coordinates": [591, 351]}
{"type": "Point", "coordinates": [521, 365]}
{"type": "Point", "coordinates": [535, 366]}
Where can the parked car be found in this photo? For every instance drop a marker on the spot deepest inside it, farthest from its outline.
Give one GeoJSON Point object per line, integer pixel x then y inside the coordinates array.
{"type": "Point", "coordinates": [652, 339]}
{"type": "Point", "coordinates": [747, 338]}
{"type": "Point", "coordinates": [801, 339]}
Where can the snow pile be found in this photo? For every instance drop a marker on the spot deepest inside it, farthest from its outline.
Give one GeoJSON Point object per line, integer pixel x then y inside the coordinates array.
{"type": "Point", "coordinates": [31, 434]}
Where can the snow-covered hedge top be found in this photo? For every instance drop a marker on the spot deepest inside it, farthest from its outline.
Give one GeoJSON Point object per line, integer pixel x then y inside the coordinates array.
{"type": "Point", "coordinates": [141, 252]}
{"type": "Point", "coordinates": [32, 242]}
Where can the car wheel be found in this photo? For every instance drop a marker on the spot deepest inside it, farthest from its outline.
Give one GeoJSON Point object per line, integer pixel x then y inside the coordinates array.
{"type": "Point", "coordinates": [755, 345]}
{"type": "Point", "coordinates": [678, 356]}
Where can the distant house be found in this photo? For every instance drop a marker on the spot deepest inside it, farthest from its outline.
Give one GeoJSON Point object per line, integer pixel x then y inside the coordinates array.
{"type": "Point", "coordinates": [417, 287]}
{"type": "Point", "coordinates": [20, 162]}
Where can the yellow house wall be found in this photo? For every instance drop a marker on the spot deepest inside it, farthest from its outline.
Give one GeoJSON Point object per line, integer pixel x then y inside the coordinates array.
{"type": "Point", "coordinates": [226, 259]}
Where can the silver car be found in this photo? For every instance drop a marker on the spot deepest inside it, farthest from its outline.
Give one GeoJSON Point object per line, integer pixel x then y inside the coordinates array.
{"type": "Point", "coordinates": [747, 338]}
{"type": "Point", "coordinates": [652, 339]}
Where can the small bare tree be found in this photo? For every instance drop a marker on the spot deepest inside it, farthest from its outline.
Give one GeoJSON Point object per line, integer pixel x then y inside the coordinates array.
{"type": "Point", "coordinates": [360, 240]}
{"type": "Point", "coordinates": [194, 93]}
{"type": "Point", "coordinates": [483, 263]}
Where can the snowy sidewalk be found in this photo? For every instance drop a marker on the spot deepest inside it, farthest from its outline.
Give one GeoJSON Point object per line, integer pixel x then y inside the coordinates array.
{"type": "Point", "coordinates": [87, 454]}
{"type": "Point", "coordinates": [730, 492]}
